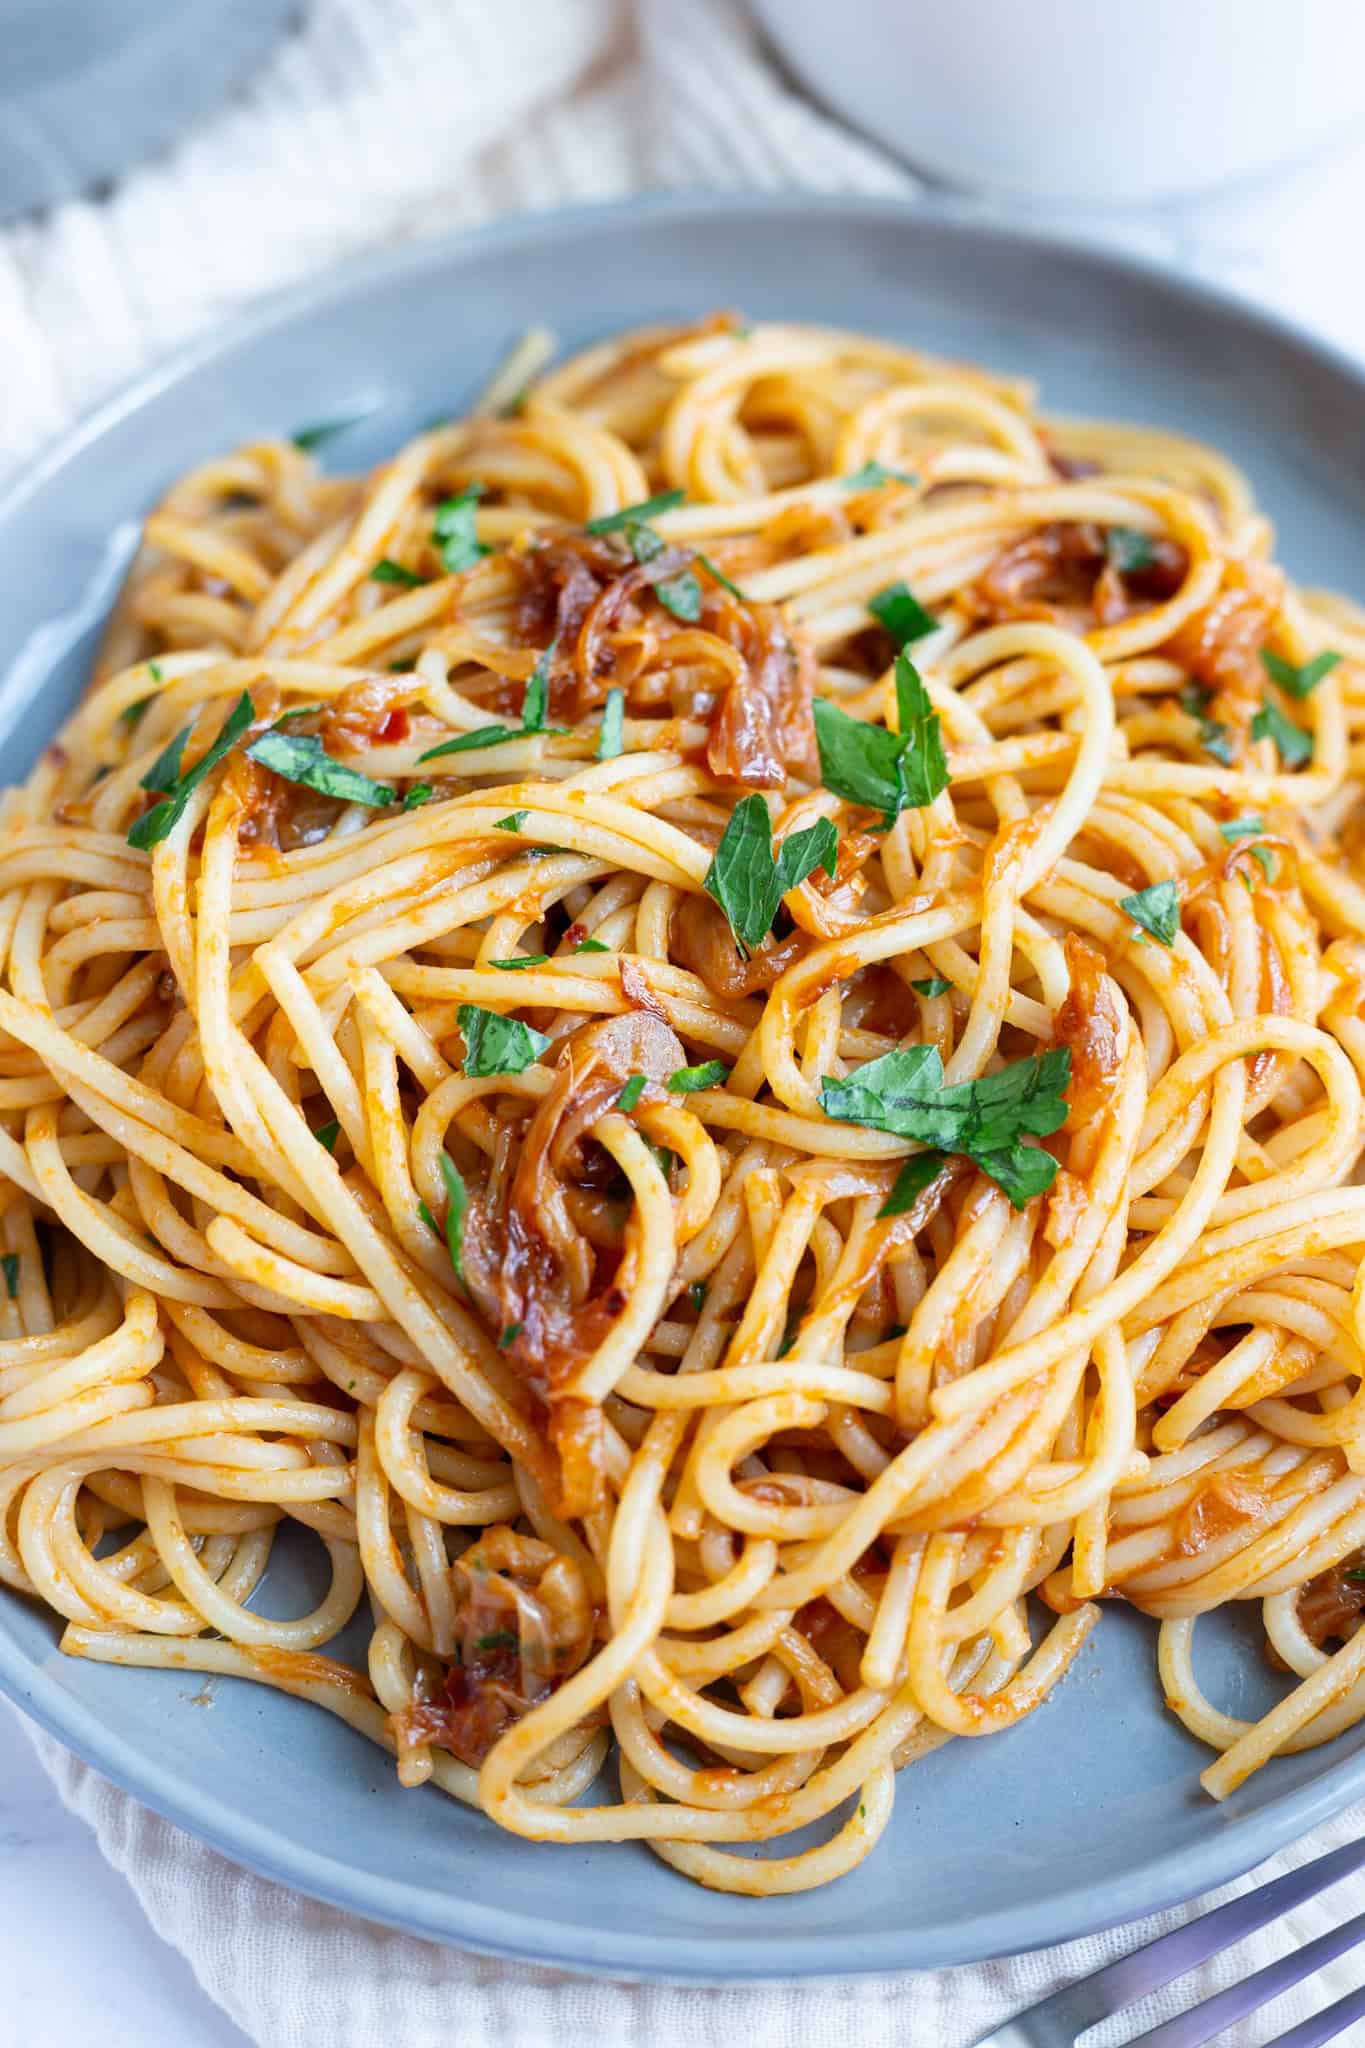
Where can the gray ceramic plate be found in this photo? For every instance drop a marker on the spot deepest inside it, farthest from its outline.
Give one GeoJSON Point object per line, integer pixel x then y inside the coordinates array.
{"type": "Point", "coordinates": [1091, 1812]}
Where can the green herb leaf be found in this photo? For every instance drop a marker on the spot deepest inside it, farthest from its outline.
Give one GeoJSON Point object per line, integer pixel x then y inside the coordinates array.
{"type": "Point", "coordinates": [498, 1639]}
{"type": "Point", "coordinates": [301, 758]}
{"type": "Point", "coordinates": [745, 879]}
{"type": "Point", "coordinates": [131, 713]}
{"type": "Point", "coordinates": [902, 614]}
{"type": "Point", "coordinates": [633, 515]}
{"type": "Point", "coordinates": [427, 1217]}
{"type": "Point", "coordinates": [534, 703]}
{"type": "Point", "coordinates": [934, 986]}
{"type": "Point", "coordinates": [513, 822]}
{"type": "Point", "coordinates": [151, 829]}
{"type": "Point", "coordinates": [387, 571]}
{"type": "Point", "coordinates": [1293, 745]}
{"type": "Point", "coordinates": [859, 761]}
{"type": "Point", "coordinates": [681, 595]}
{"type": "Point", "coordinates": [520, 960]}
{"type": "Point", "coordinates": [1214, 737]}
{"type": "Point", "coordinates": [886, 771]}
{"type": "Point", "coordinates": [453, 534]}
{"type": "Point", "coordinates": [10, 1263]}
{"type": "Point", "coordinates": [631, 1093]}
{"type": "Point", "coordinates": [495, 1044]}
{"type": "Point", "coordinates": [903, 1093]}
{"type": "Point", "coordinates": [1241, 828]}
{"type": "Point", "coordinates": [1156, 909]}
{"type": "Point", "coordinates": [688, 1080]}
{"type": "Point", "coordinates": [696, 1294]}
{"type": "Point", "coordinates": [719, 576]}
{"type": "Point", "coordinates": [465, 742]}
{"type": "Point", "coordinates": [591, 946]}
{"type": "Point", "coordinates": [509, 1336]}
{"type": "Point", "coordinates": [309, 438]}
{"type": "Point", "coordinates": [327, 1135]}
{"type": "Point", "coordinates": [532, 718]}
{"type": "Point", "coordinates": [1298, 682]}
{"type": "Point", "coordinates": [913, 1178]}
{"type": "Point", "coordinates": [1356, 1575]}
{"type": "Point", "coordinates": [923, 767]}
{"type": "Point", "coordinates": [154, 671]}
{"type": "Point", "coordinates": [458, 1199]}
{"type": "Point", "coordinates": [419, 794]}
{"type": "Point", "coordinates": [164, 772]}
{"type": "Point", "coordinates": [1265, 859]}
{"type": "Point", "coordinates": [874, 474]}
{"type": "Point", "coordinates": [1129, 549]}
{"type": "Point", "coordinates": [611, 739]}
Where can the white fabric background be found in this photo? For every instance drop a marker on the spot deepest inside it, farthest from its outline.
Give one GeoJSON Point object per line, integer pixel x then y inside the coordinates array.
{"type": "Point", "coordinates": [383, 120]}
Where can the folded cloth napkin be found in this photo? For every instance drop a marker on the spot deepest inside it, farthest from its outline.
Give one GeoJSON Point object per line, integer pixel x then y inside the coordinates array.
{"type": "Point", "coordinates": [295, 1974]}
{"type": "Point", "coordinates": [380, 120]}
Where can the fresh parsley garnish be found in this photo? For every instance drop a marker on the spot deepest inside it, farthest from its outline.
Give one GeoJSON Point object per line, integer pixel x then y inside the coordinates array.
{"type": "Point", "coordinates": [631, 1093]}
{"type": "Point", "coordinates": [1129, 549]}
{"type": "Point", "coordinates": [457, 1199]}
{"type": "Point", "coordinates": [903, 1093]}
{"type": "Point", "coordinates": [1293, 745]}
{"type": "Point", "coordinates": [1264, 858]}
{"type": "Point", "coordinates": [611, 739]}
{"type": "Point", "coordinates": [687, 1080]}
{"type": "Point", "coordinates": [679, 594]}
{"type": "Point", "coordinates": [719, 576]}
{"type": "Point", "coordinates": [934, 986]}
{"type": "Point", "coordinates": [131, 713]}
{"type": "Point", "coordinates": [10, 1262]}
{"type": "Point", "coordinates": [1156, 909]}
{"type": "Point", "coordinates": [498, 1639]}
{"type": "Point", "coordinates": [494, 1044]}
{"type": "Point", "coordinates": [309, 438]}
{"type": "Point", "coordinates": [1302, 681]}
{"type": "Point", "coordinates": [913, 1178]}
{"type": "Point", "coordinates": [635, 515]}
{"type": "Point", "coordinates": [154, 671]}
{"type": "Point", "coordinates": [1214, 737]}
{"type": "Point", "coordinates": [902, 614]}
{"type": "Point", "coordinates": [519, 960]}
{"type": "Point", "coordinates": [746, 880]}
{"type": "Point", "coordinates": [327, 1135]}
{"type": "Point", "coordinates": [419, 794]}
{"type": "Point", "coordinates": [1241, 828]}
{"type": "Point", "coordinates": [591, 946]}
{"type": "Point", "coordinates": [532, 718]}
{"type": "Point", "coordinates": [453, 535]}
{"type": "Point", "coordinates": [301, 758]}
{"type": "Point", "coordinates": [513, 822]}
{"type": "Point", "coordinates": [152, 828]}
{"type": "Point", "coordinates": [696, 1294]}
{"type": "Point", "coordinates": [386, 570]}
{"type": "Point", "coordinates": [509, 1336]}
{"type": "Point", "coordinates": [886, 771]}
{"type": "Point", "coordinates": [536, 701]}
{"type": "Point", "coordinates": [873, 474]}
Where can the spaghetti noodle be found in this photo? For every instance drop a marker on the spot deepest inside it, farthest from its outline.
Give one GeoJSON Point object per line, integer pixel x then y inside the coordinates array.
{"type": "Point", "coordinates": [713, 1028]}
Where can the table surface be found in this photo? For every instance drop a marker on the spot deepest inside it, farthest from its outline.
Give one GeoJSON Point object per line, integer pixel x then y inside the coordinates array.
{"type": "Point", "coordinates": [1285, 242]}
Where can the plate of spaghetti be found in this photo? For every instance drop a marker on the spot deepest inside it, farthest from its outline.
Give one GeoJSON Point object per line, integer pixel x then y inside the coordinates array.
{"type": "Point", "coordinates": [681, 1065]}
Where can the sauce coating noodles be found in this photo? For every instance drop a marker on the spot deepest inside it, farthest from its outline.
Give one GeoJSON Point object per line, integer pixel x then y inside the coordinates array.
{"type": "Point", "coordinates": [713, 1027]}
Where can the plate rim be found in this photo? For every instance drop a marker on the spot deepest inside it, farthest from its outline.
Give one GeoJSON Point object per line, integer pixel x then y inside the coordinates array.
{"type": "Point", "coordinates": [1152, 1885]}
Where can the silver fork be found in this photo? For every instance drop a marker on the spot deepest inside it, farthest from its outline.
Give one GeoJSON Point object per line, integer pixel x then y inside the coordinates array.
{"type": "Point", "coordinates": [1059, 2020]}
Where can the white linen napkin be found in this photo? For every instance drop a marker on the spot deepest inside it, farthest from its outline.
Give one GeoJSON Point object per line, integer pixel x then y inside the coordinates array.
{"type": "Point", "coordinates": [382, 120]}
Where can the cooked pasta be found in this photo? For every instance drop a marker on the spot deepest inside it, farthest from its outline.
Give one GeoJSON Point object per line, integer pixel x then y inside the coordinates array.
{"type": "Point", "coordinates": [712, 1027]}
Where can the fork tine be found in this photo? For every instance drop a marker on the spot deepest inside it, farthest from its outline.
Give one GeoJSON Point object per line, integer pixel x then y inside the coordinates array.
{"type": "Point", "coordinates": [1171, 1955]}
{"type": "Point", "coordinates": [1325, 2025]}
{"type": "Point", "coordinates": [1202, 2022]}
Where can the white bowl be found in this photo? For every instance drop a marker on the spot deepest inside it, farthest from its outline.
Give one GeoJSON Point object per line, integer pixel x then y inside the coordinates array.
{"type": "Point", "coordinates": [1083, 99]}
